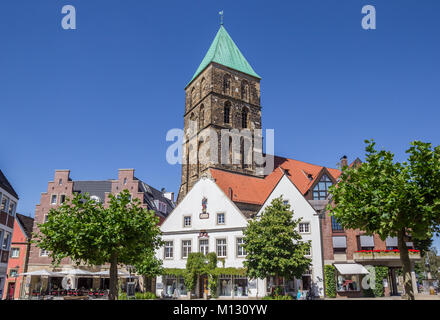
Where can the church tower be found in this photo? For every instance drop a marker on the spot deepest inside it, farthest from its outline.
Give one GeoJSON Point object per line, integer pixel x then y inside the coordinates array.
{"type": "Point", "coordinates": [224, 93]}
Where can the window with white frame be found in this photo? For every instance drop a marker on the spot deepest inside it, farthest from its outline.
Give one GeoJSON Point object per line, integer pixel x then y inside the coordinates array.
{"type": "Point", "coordinates": [6, 240]}
{"type": "Point", "coordinates": [309, 251]}
{"type": "Point", "coordinates": [44, 253]}
{"type": "Point", "coordinates": [162, 207]}
{"type": "Point", "coordinates": [204, 246]}
{"type": "Point", "coordinates": [4, 203]}
{"type": "Point", "coordinates": [220, 218]}
{"type": "Point", "coordinates": [53, 199]}
{"type": "Point", "coordinates": [221, 248]}
{"type": "Point", "coordinates": [15, 252]}
{"type": "Point", "coordinates": [304, 227]}
{"type": "Point", "coordinates": [187, 221]}
{"type": "Point", "coordinates": [240, 250]}
{"type": "Point", "coordinates": [12, 205]}
{"type": "Point", "coordinates": [169, 248]}
{"type": "Point", "coordinates": [186, 248]}
{"type": "Point", "coordinates": [62, 198]}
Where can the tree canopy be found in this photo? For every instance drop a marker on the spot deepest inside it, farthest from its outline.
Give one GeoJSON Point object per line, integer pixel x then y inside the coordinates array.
{"type": "Point", "coordinates": [273, 245]}
{"type": "Point", "coordinates": [390, 198]}
{"type": "Point", "coordinates": [89, 233]}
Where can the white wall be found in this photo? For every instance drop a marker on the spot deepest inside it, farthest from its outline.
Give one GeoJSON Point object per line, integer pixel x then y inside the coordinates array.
{"type": "Point", "coordinates": [174, 230]}
{"type": "Point", "coordinates": [302, 209]}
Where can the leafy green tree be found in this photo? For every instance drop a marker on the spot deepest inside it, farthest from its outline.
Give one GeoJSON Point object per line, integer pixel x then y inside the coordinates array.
{"type": "Point", "coordinates": [389, 198]}
{"type": "Point", "coordinates": [89, 233]}
{"type": "Point", "coordinates": [273, 245]}
{"type": "Point", "coordinates": [196, 265]}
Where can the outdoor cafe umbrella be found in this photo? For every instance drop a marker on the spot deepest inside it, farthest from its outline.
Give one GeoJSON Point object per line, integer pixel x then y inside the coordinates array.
{"type": "Point", "coordinates": [107, 274]}
{"type": "Point", "coordinates": [77, 272]}
{"type": "Point", "coordinates": [41, 273]}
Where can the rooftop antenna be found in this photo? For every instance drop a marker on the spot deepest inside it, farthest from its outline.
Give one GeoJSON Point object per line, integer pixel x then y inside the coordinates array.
{"type": "Point", "coordinates": [221, 17]}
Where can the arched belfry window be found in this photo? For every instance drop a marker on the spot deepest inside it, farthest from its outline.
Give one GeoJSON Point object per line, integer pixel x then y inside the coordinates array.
{"type": "Point", "coordinates": [244, 118]}
{"type": "Point", "coordinates": [202, 117]}
{"type": "Point", "coordinates": [244, 90]}
{"type": "Point", "coordinates": [227, 112]}
{"type": "Point", "coordinates": [202, 88]}
{"type": "Point", "coordinates": [227, 84]}
{"type": "Point", "coordinates": [320, 191]}
{"type": "Point", "coordinates": [193, 97]}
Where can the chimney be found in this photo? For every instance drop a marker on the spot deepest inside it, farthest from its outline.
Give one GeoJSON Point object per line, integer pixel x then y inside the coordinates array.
{"type": "Point", "coordinates": [344, 162]}
{"type": "Point", "coordinates": [169, 196]}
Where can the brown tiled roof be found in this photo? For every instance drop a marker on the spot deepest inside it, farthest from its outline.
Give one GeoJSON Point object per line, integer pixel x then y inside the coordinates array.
{"type": "Point", "coordinates": [255, 190]}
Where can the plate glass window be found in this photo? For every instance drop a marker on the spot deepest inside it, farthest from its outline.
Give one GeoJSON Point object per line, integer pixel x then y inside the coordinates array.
{"type": "Point", "coordinates": [320, 191]}
{"type": "Point", "coordinates": [6, 240]}
{"type": "Point", "coordinates": [4, 204]}
{"type": "Point", "coordinates": [11, 207]}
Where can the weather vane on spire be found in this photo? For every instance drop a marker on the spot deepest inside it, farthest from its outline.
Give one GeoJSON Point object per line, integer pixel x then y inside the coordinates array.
{"type": "Point", "coordinates": [221, 17]}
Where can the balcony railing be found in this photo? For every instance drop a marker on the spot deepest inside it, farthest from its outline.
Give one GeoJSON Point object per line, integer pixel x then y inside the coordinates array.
{"type": "Point", "coordinates": [368, 255]}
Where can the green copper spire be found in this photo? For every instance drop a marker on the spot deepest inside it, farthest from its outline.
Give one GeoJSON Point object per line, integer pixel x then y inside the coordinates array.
{"type": "Point", "coordinates": [224, 51]}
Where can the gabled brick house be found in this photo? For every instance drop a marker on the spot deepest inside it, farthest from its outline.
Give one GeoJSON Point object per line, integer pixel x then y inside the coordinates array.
{"type": "Point", "coordinates": [351, 250]}
{"type": "Point", "coordinates": [19, 257]}
{"type": "Point", "coordinates": [63, 187]}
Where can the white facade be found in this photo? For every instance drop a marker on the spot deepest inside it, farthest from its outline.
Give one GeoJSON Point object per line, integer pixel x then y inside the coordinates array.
{"type": "Point", "coordinates": [8, 206]}
{"type": "Point", "coordinates": [310, 231]}
{"type": "Point", "coordinates": [205, 228]}
{"type": "Point", "coordinates": [220, 227]}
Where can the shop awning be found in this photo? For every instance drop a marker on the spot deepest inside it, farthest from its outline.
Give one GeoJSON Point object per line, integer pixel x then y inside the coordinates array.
{"type": "Point", "coordinates": [351, 268]}
{"type": "Point", "coordinates": [339, 242]}
{"type": "Point", "coordinates": [391, 241]}
{"type": "Point", "coordinates": [367, 241]}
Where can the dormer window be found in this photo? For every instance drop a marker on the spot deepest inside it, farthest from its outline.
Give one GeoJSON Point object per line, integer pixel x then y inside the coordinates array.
{"type": "Point", "coordinates": [320, 191]}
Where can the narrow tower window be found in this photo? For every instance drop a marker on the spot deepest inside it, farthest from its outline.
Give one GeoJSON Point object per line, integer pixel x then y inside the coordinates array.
{"type": "Point", "coordinates": [227, 112]}
{"type": "Point", "coordinates": [227, 84]}
{"type": "Point", "coordinates": [244, 119]}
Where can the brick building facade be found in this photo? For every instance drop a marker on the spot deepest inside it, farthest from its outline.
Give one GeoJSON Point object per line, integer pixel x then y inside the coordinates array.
{"type": "Point", "coordinates": [63, 187]}
{"type": "Point", "coordinates": [8, 206]}
{"type": "Point", "coordinates": [19, 257]}
{"type": "Point", "coordinates": [223, 94]}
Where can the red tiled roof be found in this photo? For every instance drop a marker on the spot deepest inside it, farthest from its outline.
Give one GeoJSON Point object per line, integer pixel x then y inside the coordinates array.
{"type": "Point", "coordinates": [255, 190]}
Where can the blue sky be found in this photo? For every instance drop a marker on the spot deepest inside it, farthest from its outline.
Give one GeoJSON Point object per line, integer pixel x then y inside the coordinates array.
{"type": "Point", "coordinates": [102, 97]}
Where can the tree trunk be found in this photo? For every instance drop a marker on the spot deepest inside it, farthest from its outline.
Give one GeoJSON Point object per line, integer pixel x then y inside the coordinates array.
{"type": "Point", "coordinates": [406, 263]}
{"type": "Point", "coordinates": [113, 295]}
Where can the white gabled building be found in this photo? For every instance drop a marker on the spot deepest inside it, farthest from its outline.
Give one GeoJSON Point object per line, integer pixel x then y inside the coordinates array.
{"type": "Point", "coordinates": [217, 228]}
{"type": "Point", "coordinates": [310, 230]}
{"type": "Point", "coordinates": [209, 219]}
